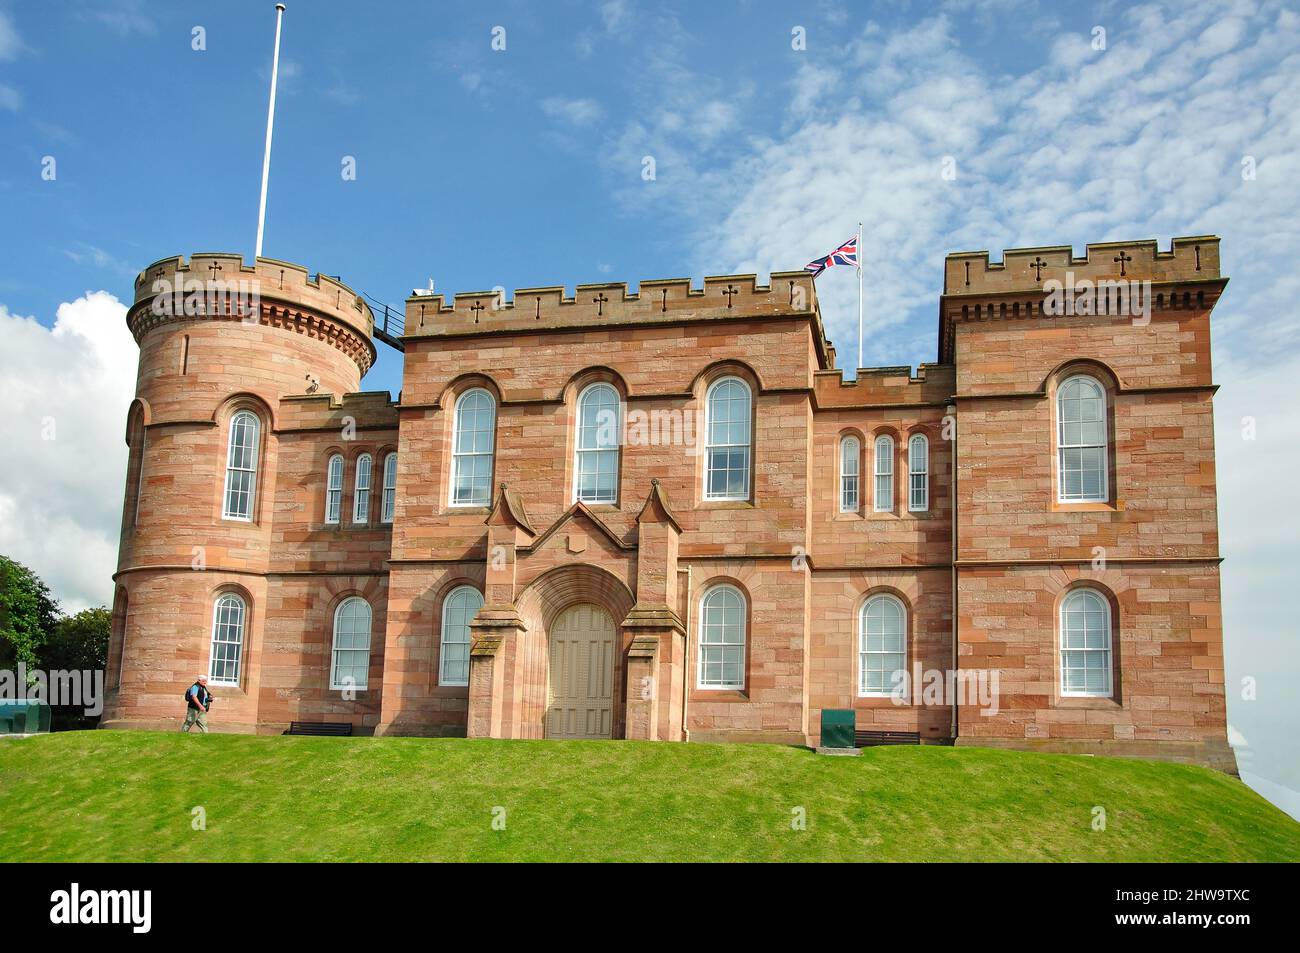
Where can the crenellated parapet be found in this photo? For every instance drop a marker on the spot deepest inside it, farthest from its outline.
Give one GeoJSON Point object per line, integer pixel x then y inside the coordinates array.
{"type": "Point", "coordinates": [364, 411]}
{"type": "Point", "coordinates": [931, 385]}
{"type": "Point", "coordinates": [600, 305]}
{"type": "Point", "coordinates": [220, 286]}
{"type": "Point", "coordinates": [1026, 269]}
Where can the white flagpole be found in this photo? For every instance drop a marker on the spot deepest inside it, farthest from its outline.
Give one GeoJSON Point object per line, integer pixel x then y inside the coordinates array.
{"type": "Point", "coordinates": [859, 297]}
{"type": "Point", "coordinates": [270, 123]}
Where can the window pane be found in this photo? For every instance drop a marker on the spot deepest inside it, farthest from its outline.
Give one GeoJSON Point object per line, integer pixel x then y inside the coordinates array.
{"type": "Point", "coordinates": [351, 656]}
{"type": "Point", "coordinates": [722, 639]}
{"type": "Point", "coordinates": [458, 611]}
{"type": "Point", "coordinates": [882, 648]}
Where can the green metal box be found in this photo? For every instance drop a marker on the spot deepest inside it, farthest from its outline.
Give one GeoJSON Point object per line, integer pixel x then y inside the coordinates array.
{"type": "Point", "coordinates": [837, 727]}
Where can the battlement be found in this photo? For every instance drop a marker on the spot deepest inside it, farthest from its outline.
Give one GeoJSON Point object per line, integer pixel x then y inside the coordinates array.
{"type": "Point", "coordinates": [278, 282]}
{"type": "Point", "coordinates": [598, 305]}
{"type": "Point", "coordinates": [932, 384]}
{"type": "Point", "coordinates": [1026, 269]}
{"type": "Point", "coordinates": [363, 410]}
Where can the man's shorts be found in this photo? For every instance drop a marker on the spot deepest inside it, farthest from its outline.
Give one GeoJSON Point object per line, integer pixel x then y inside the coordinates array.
{"type": "Point", "coordinates": [196, 716]}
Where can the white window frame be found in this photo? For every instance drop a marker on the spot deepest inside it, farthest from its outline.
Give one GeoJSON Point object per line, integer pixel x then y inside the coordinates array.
{"type": "Point", "coordinates": [239, 424]}
{"type": "Point", "coordinates": [458, 457]}
{"type": "Point", "coordinates": [707, 631]}
{"type": "Point", "coordinates": [388, 503]}
{"type": "Point", "coordinates": [1062, 447]}
{"type": "Point", "coordinates": [336, 652]}
{"type": "Point", "coordinates": [227, 626]}
{"type": "Point", "coordinates": [918, 477]}
{"type": "Point", "coordinates": [600, 455]}
{"type": "Point", "coordinates": [864, 654]}
{"type": "Point", "coordinates": [361, 489]}
{"type": "Point", "coordinates": [1106, 651]}
{"type": "Point", "coordinates": [850, 477]}
{"type": "Point", "coordinates": [728, 447]}
{"type": "Point", "coordinates": [450, 604]}
{"type": "Point", "coordinates": [334, 489]}
{"type": "Point", "coordinates": [882, 469]}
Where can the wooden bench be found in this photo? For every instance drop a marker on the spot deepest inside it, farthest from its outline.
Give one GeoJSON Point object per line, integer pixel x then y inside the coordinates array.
{"type": "Point", "coordinates": [332, 729]}
{"type": "Point", "coordinates": [869, 739]}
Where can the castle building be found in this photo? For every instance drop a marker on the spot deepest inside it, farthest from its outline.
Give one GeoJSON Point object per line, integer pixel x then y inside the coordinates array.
{"type": "Point", "coordinates": [667, 515]}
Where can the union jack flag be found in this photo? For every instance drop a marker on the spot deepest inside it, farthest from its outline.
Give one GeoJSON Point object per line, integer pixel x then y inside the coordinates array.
{"type": "Point", "coordinates": [846, 254]}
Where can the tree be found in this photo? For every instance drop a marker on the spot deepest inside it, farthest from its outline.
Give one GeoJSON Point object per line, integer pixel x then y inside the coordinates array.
{"type": "Point", "coordinates": [28, 614]}
{"type": "Point", "coordinates": [79, 641]}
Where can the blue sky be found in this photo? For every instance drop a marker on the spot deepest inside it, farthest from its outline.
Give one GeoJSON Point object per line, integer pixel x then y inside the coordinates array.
{"type": "Point", "coordinates": [523, 167]}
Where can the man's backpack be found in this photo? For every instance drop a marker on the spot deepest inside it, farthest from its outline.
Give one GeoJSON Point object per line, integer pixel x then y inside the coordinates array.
{"type": "Point", "coordinates": [186, 695]}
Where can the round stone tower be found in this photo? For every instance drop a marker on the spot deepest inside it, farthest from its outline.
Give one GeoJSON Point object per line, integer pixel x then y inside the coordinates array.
{"type": "Point", "coordinates": [221, 344]}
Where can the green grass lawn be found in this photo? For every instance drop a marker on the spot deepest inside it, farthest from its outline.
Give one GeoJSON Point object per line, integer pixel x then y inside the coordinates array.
{"type": "Point", "coordinates": [128, 795]}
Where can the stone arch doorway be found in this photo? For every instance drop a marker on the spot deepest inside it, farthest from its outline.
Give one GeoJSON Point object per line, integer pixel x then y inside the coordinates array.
{"type": "Point", "coordinates": [581, 645]}
{"type": "Point", "coordinates": [541, 605]}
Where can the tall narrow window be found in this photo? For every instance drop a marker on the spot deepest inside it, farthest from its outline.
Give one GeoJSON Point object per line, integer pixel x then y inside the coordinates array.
{"type": "Point", "coordinates": [882, 645]}
{"type": "Point", "coordinates": [134, 469]}
{"type": "Point", "coordinates": [884, 469]}
{"type": "Point", "coordinates": [350, 667]}
{"type": "Point", "coordinates": [471, 468]}
{"type": "Point", "coordinates": [458, 612]}
{"type": "Point", "coordinates": [241, 466]}
{"type": "Point", "coordinates": [850, 454]}
{"type": "Point", "coordinates": [361, 493]}
{"type": "Point", "coordinates": [918, 473]}
{"type": "Point", "coordinates": [595, 465]}
{"type": "Point", "coordinates": [228, 615]}
{"type": "Point", "coordinates": [722, 639]}
{"type": "Point", "coordinates": [334, 489]}
{"type": "Point", "coordinates": [389, 502]}
{"type": "Point", "coordinates": [1081, 441]}
{"type": "Point", "coordinates": [727, 409]}
{"type": "Point", "coordinates": [1085, 644]}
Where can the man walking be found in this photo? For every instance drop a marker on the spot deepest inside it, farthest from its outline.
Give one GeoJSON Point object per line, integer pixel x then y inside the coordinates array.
{"type": "Point", "coordinates": [198, 700]}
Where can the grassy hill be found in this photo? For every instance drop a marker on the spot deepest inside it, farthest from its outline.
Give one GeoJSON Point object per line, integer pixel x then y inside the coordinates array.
{"type": "Point", "coordinates": [89, 796]}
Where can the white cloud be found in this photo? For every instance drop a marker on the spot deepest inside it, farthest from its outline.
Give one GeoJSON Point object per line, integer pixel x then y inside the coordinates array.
{"type": "Point", "coordinates": [10, 98]}
{"type": "Point", "coordinates": [124, 17]}
{"type": "Point", "coordinates": [11, 43]}
{"type": "Point", "coordinates": [61, 499]}
{"type": "Point", "coordinates": [615, 15]}
{"type": "Point", "coordinates": [1145, 139]}
{"type": "Point", "coordinates": [580, 112]}
{"type": "Point", "coordinates": [85, 254]}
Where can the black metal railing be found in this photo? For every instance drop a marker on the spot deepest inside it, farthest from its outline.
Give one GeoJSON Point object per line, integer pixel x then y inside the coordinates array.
{"type": "Point", "coordinates": [390, 322]}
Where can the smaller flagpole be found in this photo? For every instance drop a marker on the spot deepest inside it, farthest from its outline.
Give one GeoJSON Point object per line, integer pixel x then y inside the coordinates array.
{"type": "Point", "coordinates": [270, 124]}
{"type": "Point", "coordinates": [859, 298]}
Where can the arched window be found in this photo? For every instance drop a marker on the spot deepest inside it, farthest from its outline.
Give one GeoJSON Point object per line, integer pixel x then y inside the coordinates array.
{"type": "Point", "coordinates": [1085, 644]}
{"type": "Point", "coordinates": [228, 617]}
{"type": "Point", "coordinates": [884, 469]}
{"type": "Point", "coordinates": [918, 473]}
{"type": "Point", "coordinates": [727, 440]}
{"type": "Point", "coordinates": [722, 638]}
{"type": "Point", "coordinates": [882, 645]}
{"type": "Point", "coordinates": [361, 494]}
{"type": "Point", "coordinates": [334, 489]}
{"type": "Point", "coordinates": [135, 468]}
{"type": "Point", "coordinates": [389, 502]}
{"type": "Point", "coordinates": [1081, 441]}
{"type": "Point", "coordinates": [350, 668]}
{"type": "Point", "coordinates": [458, 610]}
{"type": "Point", "coordinates": [472, 439]}
{"type": "Point", "coordinates": [241, 466]}
{"type": "Point", "coordinates": [121, 606]}
{"type": "Point", "coordinates": [850, 455]}
{"type": "Point", "coordinates": [595, 465]}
